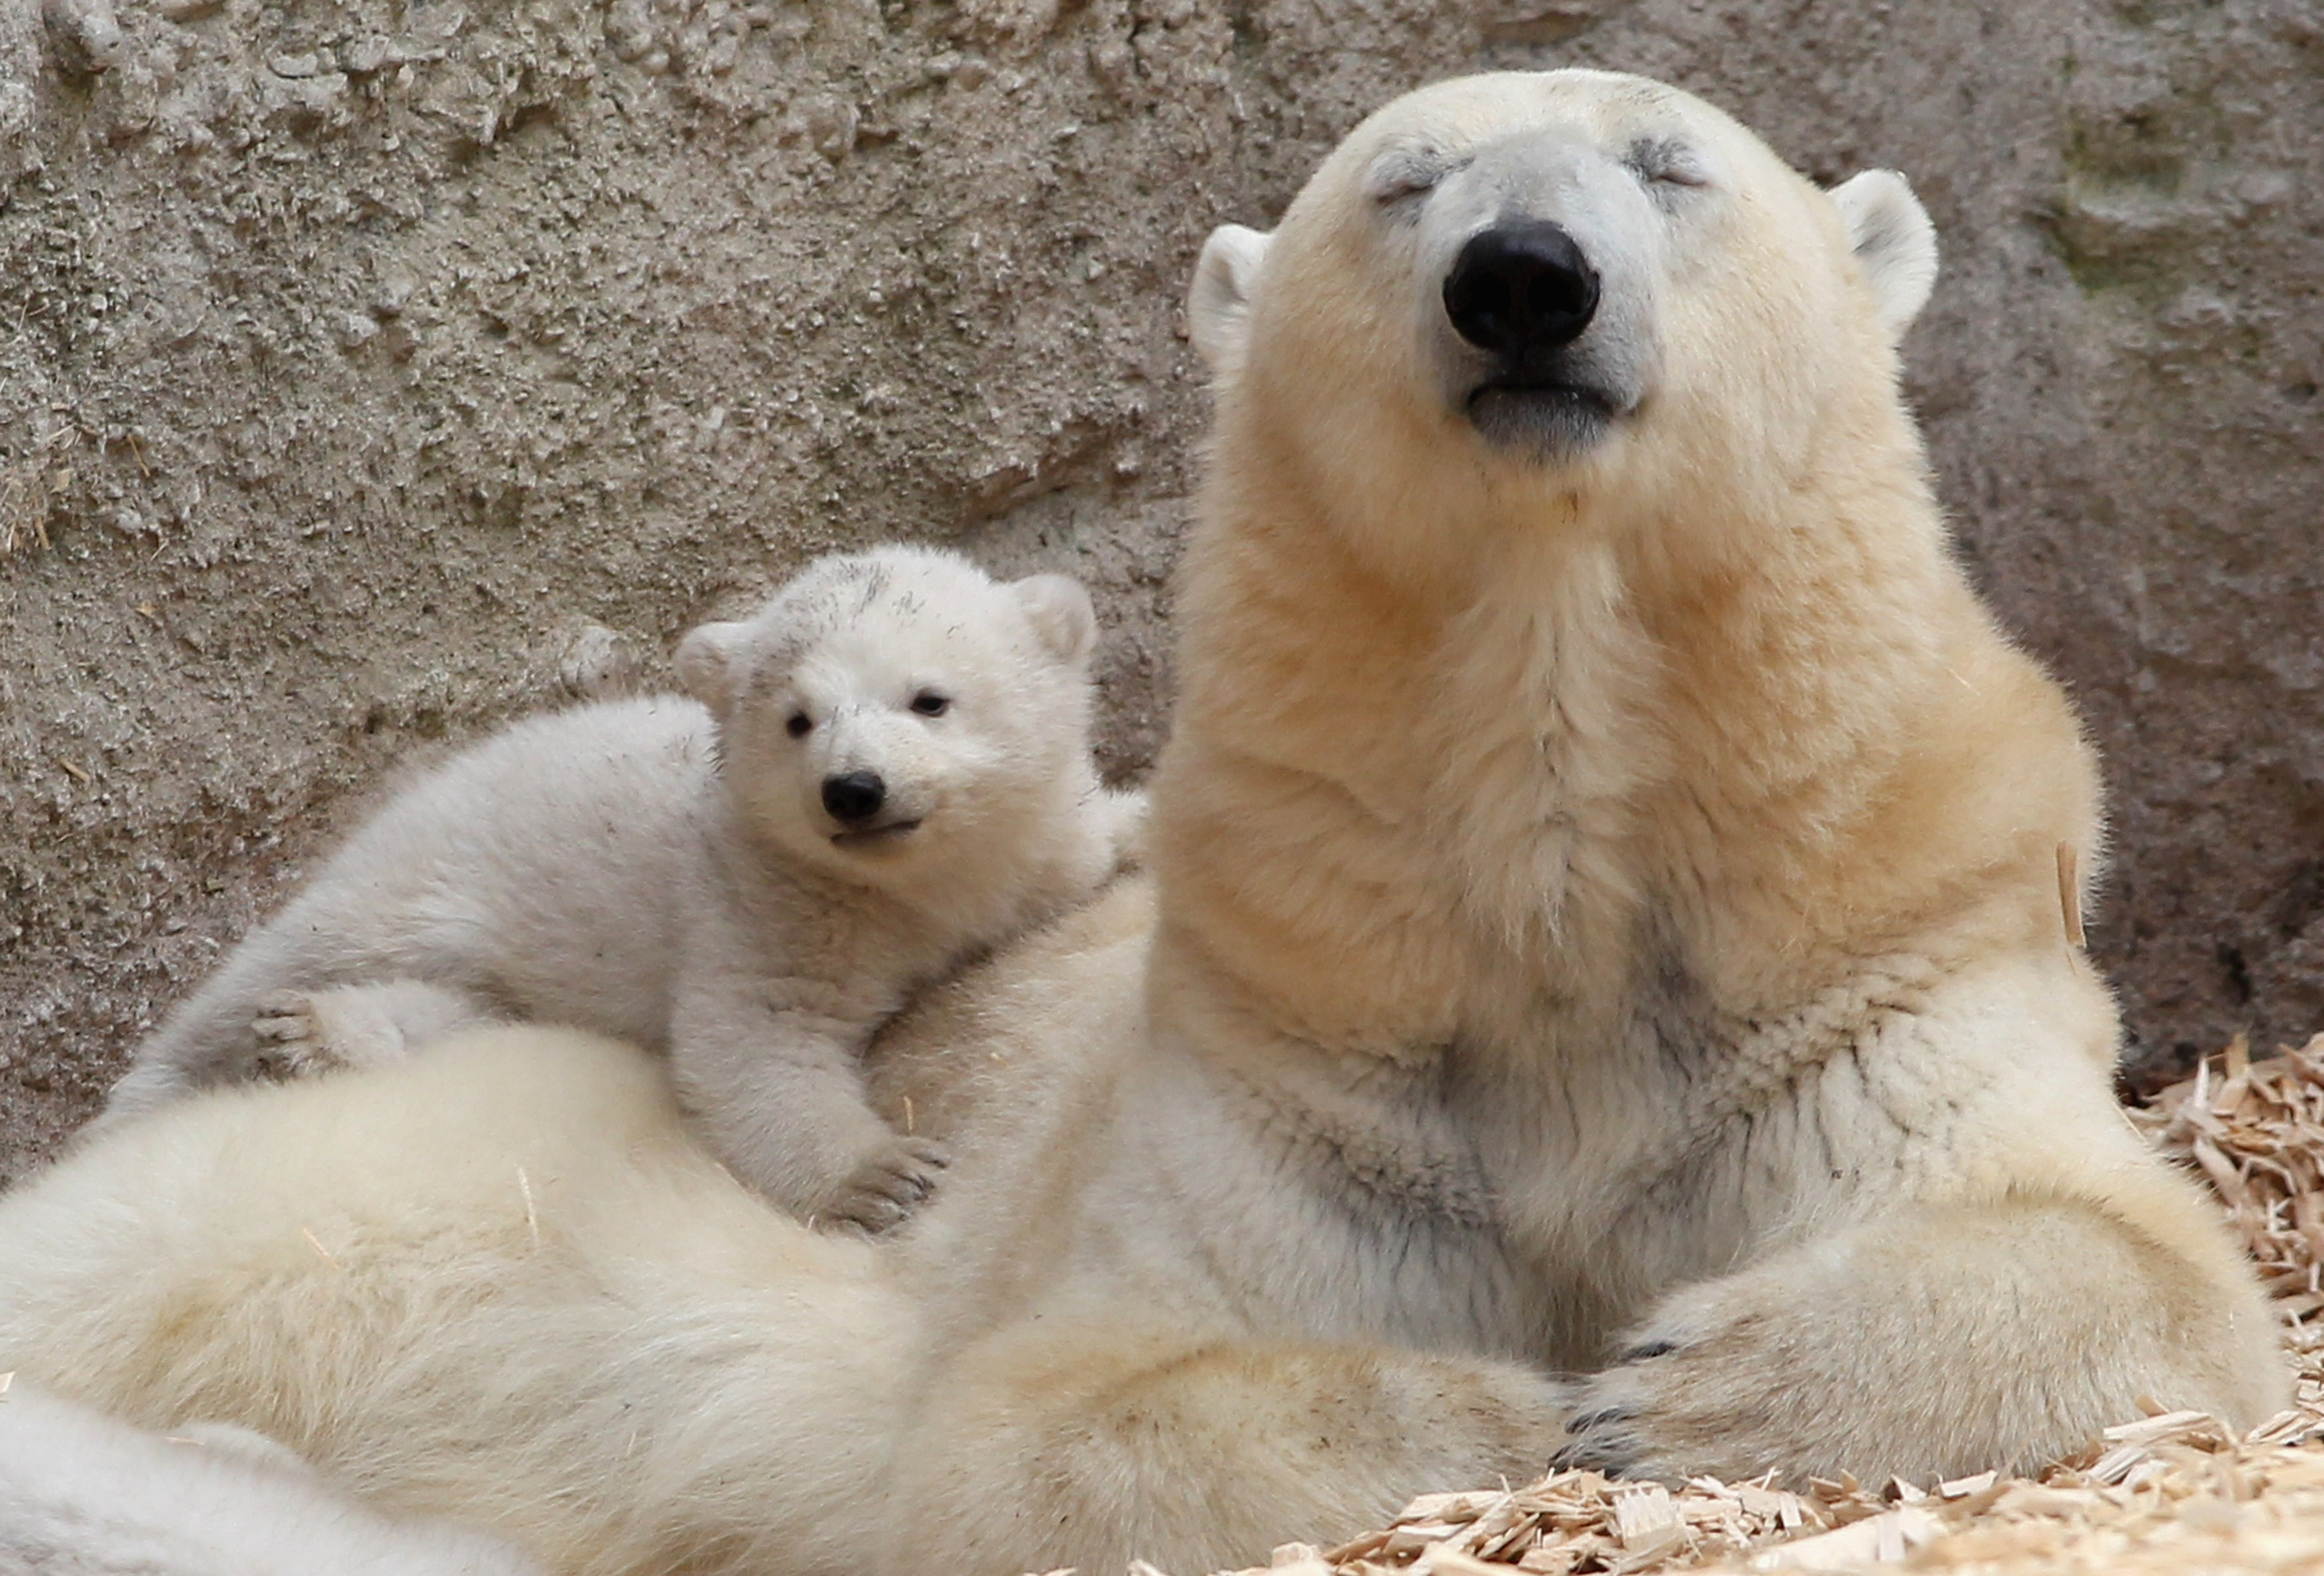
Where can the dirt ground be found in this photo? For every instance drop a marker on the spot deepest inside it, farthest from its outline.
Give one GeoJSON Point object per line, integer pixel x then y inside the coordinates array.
{"type": "Point", "coordinates": [371, 369]}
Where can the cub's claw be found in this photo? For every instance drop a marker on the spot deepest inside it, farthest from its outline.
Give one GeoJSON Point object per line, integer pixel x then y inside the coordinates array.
{"type": "Point", "coordinates": [294, 1041]}
{"type": "Point", "coordinates": [885, 1189]}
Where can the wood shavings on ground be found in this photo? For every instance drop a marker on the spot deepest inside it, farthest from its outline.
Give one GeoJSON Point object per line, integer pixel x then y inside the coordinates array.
{"type": "Point", "coordinates": [2174, 1493]}
{"type": "Point", "coordinates": [2255, 1129]}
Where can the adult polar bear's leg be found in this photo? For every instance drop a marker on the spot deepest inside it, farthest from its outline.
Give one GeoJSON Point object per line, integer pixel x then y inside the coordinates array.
{"type": "Point", "coordinates": [1087, 1400]}
{"type": "Point", "coordinates": [82, 1493]}
{"type": "Point", "coordinates": [1092, 1442]}
{"type": "Point", "coordinates": [1772, 1367]}
{"type": "Point", "coordinates": [495, 1283]}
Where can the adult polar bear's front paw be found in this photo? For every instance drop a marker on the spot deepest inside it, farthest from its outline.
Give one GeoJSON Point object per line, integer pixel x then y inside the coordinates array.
{"type": "Point", "coordinates": [1932, 1341]}
{"type": "Point", "coordinates": [1666, 1411]}
{"type": "Point", "coordinates": [1737, 1379]}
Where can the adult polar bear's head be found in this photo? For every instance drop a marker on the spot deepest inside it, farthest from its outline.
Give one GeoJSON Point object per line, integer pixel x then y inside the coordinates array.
{"type": "Point", "coordinates": [1571, 278]}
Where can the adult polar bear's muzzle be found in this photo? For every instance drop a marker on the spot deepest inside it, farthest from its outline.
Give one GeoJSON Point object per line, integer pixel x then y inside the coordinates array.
{"type": "Point", "coordinates": [1542, 252]}
{"type": "Point", "coordinates": [1522, 292]}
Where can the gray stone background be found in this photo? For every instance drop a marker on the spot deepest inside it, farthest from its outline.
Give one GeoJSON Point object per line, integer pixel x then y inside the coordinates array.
{"type": "Point", "coordinates": [371, 369]}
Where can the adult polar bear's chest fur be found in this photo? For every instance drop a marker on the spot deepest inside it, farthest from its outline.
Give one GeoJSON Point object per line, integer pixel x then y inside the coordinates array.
{"type": "Point", "coordinates": [1451, 1061]}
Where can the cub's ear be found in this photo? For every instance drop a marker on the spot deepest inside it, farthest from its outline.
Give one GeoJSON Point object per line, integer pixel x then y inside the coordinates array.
{"type": "Point", "coordinates": [1218, 303]}
{"type": "Point", "coordinates": [710, 664]}
{"type": "Point", "coordinates": [1895, 242]}
{"type": "Point", "coordinates": [1060, 612]}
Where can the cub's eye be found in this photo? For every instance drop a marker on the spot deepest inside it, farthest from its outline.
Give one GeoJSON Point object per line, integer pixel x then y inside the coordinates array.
{"type": "Point", "coordinates": [929, 704]}
{"type": "Point", "coordinates": [799, 726]}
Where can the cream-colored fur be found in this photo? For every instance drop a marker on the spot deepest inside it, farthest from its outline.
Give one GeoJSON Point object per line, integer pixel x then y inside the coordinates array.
{"type": "Point", "coordinates": [673, 871]}
{"type": "Point", "coordinates": [1608, 923]}
{"type": "Point", "coordinates": [1609, 913]}
{"type": "Point", "coordinates": [1638, 816]}
{"type": "Point", "coordinates": [496, 1281]}
{"type": "Point", "coordinates": [82, 1493]}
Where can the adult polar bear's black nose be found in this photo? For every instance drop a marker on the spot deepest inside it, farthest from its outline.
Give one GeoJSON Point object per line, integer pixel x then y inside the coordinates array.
{"type": "Point", "coordinates": [1519, 289]}
{"type": "Point", "coordinates": [854, 796]}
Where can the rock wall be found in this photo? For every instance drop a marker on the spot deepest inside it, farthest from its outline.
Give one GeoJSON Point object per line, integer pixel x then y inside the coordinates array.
{"type": "Point", "coordinates": [373, 369]}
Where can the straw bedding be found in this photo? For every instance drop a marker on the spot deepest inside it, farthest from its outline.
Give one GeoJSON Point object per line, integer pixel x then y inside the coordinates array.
{"type": "Point", "coordinates": [2175, 1492]}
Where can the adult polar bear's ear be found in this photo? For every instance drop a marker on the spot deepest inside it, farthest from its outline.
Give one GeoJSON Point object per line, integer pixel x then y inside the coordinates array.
{"type": "Point", "coordinates": [1218, 303]}
{"type": "Point", "coordinates": [710, 664]}
{"type": "Point", "coordinates": [1894, 240]}
{"type": "Point", "coordinates": [1058, 608]}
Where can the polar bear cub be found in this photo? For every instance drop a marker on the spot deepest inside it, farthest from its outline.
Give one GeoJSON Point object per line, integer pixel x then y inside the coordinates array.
{"type": "Point", "coordinates": [884, 771]}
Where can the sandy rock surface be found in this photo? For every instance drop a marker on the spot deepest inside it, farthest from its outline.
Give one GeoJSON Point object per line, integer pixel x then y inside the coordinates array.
{"type": "Point", "coordinates": [373, 370]}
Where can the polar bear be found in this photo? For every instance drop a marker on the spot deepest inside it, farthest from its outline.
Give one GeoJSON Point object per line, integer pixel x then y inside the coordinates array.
{"type": "Point", "coordinates": [883, 771]}
{"type": "Point", "coordinates": [1606, 997]}
{"type": "Point", "coordinates": [497, 1281]}
{"type": "Point", "coordinates": [82, 1493]}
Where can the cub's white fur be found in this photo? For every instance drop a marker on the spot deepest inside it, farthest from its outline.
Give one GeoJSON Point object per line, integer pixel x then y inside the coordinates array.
{"type": "Point", "coordinates": [681, 872]}
{"type": "Point", "coordinates": [84, 1495]}
{"type": "Point", "coordinates": [1607, 923]}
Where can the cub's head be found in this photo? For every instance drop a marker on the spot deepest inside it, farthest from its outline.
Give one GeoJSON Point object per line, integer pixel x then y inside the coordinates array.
{"type": "Point", "coordinates": [1573, 282]}
{"type": "Point", "coordinates": [891, 710]}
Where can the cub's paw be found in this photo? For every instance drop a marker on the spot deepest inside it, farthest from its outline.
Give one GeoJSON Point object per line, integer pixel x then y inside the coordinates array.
{"type": "Point", "coordinates": [301, 1033]}
{"type": "Point", "coordinates": [888, 1186]}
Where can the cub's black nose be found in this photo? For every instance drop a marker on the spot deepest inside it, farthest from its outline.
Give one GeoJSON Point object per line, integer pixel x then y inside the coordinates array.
{"type": "Point", "coordinates": [1517, 290]}
{"type": "Point", "coordinates": [854, 796]}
